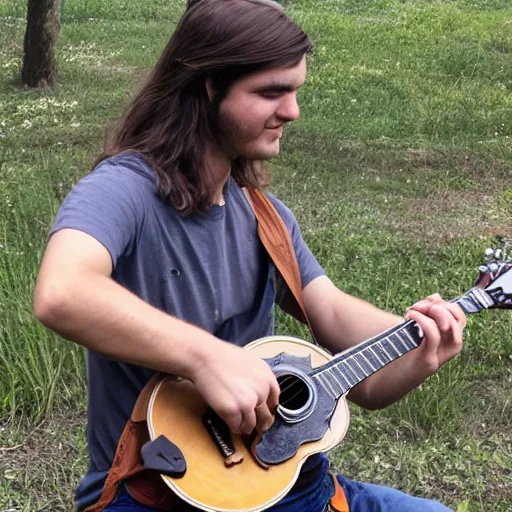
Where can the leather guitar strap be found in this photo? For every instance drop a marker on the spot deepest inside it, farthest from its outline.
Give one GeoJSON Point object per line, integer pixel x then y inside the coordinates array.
{"type": "Point", "coordinates": [127, 464]}
{"type": "Point", "coordinates": [276, 239]}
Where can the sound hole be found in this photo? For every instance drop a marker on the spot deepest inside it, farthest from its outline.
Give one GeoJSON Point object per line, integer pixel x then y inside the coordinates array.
{"type": "Point", "coordinates": [294, 392]}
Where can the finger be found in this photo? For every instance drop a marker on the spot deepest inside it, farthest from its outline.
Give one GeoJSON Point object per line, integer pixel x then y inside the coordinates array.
{"type": "Point", "coordinates": [422, 306]}
{"type": "Point", "coordinates": [448, 316]}
{"type": "Point", "coordinates": [455, 342]}
{"type": "Point", "coordinates": [264, 418]}
{"type": "Point", "coordinates": [457, 313]}
{"type": "Point", "coordinates": [233, 421]}
{"type": "Point", "coordinates": [427, 302]}
{"type": "Point", "coordinates": [452, 339]}
{"type": "Point", "coordinates": [442, 316]}
{"type": "Point", "coordinates": [455, 339]}
{"type": "Point", "coordinates": [248, 423]}
{"type": "Point", "coordinates": [432, 336]}
{"type": "Point", "coordinates": [273, 396]}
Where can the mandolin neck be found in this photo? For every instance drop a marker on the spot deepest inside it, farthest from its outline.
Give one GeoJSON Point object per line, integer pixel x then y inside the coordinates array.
{"type": "Point", "coordinates": [352, 366]}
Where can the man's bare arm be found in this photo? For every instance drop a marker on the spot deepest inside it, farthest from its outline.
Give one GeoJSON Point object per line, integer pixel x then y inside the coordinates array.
{"type": "Point", "coordinates": [341, 321]}
{"type": "Point", "coordinates": [76, 297]}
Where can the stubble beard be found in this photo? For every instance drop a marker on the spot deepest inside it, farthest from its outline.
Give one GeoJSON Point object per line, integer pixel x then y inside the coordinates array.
{"type": "Point", "coordinates": [233, 136]}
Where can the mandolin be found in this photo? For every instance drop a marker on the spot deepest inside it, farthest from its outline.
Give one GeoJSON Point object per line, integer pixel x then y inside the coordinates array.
{"type": "Point", "coordinates": [221, 471]}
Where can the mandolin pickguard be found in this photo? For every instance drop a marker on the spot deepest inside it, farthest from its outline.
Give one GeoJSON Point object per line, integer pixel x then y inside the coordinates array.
{"type": "Point", "coordinates": [283, 439]}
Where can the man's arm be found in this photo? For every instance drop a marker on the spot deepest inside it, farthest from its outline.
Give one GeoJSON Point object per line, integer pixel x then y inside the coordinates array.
{"type": "Point", "coordinates": [341, 321]}
{"type": "Point", "coordinates": [76, 297]}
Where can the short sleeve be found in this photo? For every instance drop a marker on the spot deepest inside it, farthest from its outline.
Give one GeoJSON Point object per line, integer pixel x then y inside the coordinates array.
{"type": "Point", "coordinates": [310, 269]}
{"type": "Point", "coordinates": [107, 204]}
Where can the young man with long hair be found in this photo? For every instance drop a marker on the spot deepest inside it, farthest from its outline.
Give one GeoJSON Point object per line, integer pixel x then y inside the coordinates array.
{"type": "Point", "coordinates": [154, 262]}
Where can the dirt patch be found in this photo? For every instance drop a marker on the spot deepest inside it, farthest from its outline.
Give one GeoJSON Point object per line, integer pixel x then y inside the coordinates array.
{"type": "Point", "coordinates": [40, 468]}
{"type": "Point", "coordinates": [444, 216]}
{"type": "Point", "coordinates": [494, 408]}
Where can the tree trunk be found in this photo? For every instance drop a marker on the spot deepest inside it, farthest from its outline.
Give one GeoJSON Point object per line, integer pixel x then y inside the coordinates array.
{"type": "Point", "coordinates": [39, 66]}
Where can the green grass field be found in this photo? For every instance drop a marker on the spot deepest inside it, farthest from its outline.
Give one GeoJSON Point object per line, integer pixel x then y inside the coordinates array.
{"type": "Point", "coordinates": [399, 172]}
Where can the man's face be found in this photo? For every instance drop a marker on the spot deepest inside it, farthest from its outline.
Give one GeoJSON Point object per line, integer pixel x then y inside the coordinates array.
{"type": "Point", "coordinates": [253, 114]}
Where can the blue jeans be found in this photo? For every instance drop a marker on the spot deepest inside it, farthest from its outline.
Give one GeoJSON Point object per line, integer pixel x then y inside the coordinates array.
{"type": "Point", "coordinates": [361, 497]}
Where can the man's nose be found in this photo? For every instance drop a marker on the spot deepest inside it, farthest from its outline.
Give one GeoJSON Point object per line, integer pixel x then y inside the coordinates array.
{"type": "Point", "coordinates": [289, 108]}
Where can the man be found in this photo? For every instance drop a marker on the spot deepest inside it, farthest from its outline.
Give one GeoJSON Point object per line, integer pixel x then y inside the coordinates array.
{"type": "Point", "coordinates": [154, 262]}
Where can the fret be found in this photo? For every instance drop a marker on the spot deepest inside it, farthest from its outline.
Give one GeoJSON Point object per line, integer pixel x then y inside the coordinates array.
{"type": "Point", "coordinates": [370, 359]}
{"type": "Point", "coordinates": [350, 374]}
{"type": "Point", "coordinates": [332, 385]}
{"type": "Point", "coordinates": [390, 348]}
{"type": "Point", "coordinates": [354, 366]}
{"type": "Point", "coordinates": [341, 377]}
{"type": "Point", "coordinates": [363, 363]}
{"type": "Point", "coordinates": [409, 337]}
{"type": "Point", "coordinates": [373, 350]}
{"type": "Point", "coordinates": [475, 300]}
{"type": "Point", "coordinates": [335, 382]}
{"type": "Point", "coordinates": [469, 304]}
{"type": "Point", "coordinates": [326, 385]}
{"type": "Point", "coordinates": [357, 361]}
{"type": "Point", "coordinates": [402, 345]}
{"type": "Point", "coordinates": [384, 351]}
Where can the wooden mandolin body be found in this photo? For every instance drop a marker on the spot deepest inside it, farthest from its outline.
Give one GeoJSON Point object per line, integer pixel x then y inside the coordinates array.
{"type": "Point", "coordinates": [176, 411]}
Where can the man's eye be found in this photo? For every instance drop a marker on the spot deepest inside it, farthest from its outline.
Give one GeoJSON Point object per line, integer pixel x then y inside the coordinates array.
{"type": "Point", "coordinates": [270, 94]}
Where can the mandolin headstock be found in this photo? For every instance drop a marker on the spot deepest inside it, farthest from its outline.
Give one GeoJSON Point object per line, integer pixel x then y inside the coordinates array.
{"type": "Point", "coordinates": [495, 276]}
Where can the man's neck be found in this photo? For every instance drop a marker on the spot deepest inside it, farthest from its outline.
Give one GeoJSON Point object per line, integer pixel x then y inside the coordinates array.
{"type": "Point", "coordinates": [219, 164]}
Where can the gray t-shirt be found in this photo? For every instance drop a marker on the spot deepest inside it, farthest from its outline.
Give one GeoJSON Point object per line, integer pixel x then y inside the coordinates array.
{"type": "Point", "coordinates": [210, 270]}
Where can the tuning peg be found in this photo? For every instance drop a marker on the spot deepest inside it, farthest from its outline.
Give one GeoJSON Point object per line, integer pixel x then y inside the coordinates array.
{"type": "Point", "coordinates": [493, 267]}
{"type": "Point", "coordinates": [489, 253]}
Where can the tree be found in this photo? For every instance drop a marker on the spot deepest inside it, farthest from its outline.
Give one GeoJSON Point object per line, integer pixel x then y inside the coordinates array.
{"type": "Point", "coordinates": [39, 66]}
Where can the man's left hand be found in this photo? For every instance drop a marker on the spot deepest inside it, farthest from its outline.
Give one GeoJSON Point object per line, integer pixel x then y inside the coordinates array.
{"type": "Point", "coordinates": [442, 324]}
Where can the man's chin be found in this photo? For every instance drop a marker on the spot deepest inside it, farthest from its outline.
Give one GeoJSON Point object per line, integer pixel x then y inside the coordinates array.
{"type": "Point", "coordinates": [263, 153]}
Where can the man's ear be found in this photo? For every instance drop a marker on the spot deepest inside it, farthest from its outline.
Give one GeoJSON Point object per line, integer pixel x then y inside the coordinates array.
{"type": "Point", "coordinates": [210, 89]}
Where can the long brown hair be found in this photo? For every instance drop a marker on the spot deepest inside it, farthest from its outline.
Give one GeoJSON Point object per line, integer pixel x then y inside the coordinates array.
{"type": "Point", "coordinates": [171, 118]}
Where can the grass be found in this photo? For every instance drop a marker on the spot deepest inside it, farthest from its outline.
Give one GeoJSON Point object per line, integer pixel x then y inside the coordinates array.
{"type": "Point", "coordinates": [399, 172]}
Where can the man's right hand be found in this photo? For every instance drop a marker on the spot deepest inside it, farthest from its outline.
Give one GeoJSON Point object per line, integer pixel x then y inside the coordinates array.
{"type": "Point", "coordinates": [239, 386]}
{"type": "Point", "coordinates": [76, 297]}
